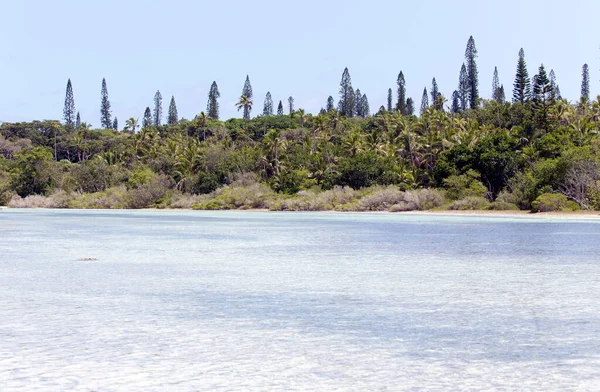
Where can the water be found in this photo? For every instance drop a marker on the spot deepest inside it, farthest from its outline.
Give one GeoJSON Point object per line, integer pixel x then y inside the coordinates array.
{"type": "Point", "coordinates": [231, 301]}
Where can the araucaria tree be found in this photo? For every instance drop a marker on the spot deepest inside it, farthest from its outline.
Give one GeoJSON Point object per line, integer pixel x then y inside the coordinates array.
{"type": "Point", "coordinates": [522, 85]}
{"type": "Point", "coordinates": [291, 104]}
{"type": "Point", "coordinates": [389, 100]}
{"type": "Point", "coordinates": [147, 120]}
{"type": "Point", "coordinates": [105, 114]}
{"type": "Point", "coordinates": [357, 102]}
{"type": "Point", "coordinates": [436, 96]}
{"type": "Point", "coordinates": [330, 104]}
{"type": "Point", "coordinates": [455, 102]}
{"type": "Point", "coordinates": [346, 103]}
{"type": "Point", "coordinates": [69, 109]}
{"type": "Point", "coordinates": [212, 107]}
{"type": "Point", "coordinates": [497, 89]}
{"type": "Point", "coordinates": [585, 83]}
{"type": "Point", "coordinates": [247, 92]}
{"type": "Point", "coordinates": [424, 101]}
{"type": "Point", "coordinates": [280, 108]}
{"type": "Point", "coordinates": [268, 106]}
{"type": "Point", "coordinates": [115, 124]}
{"type": "Point", "coordinates": [410, 106]}
{"type": "Point", "coordinates": [401, 104]}
{"type": "Point", "coordinates": [172, 118]}
{"type": "Point", "coordinates": [157, 115]}
{"type": "Point", "coordinates": [472, 73]}
{"type": "Point", "coordinates": [555, 91]}
{"type": "Point", "coordinates": [463, 87]}
{"type": "Point", "coordinates": [78, 121]}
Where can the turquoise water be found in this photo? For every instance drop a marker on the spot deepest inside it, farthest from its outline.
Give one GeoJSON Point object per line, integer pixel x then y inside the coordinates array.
{"type": "Point", "coordinates": [230, 301]}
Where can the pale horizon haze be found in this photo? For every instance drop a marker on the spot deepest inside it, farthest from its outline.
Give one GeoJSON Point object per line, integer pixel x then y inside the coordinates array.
{"type": "Point", "coordinates": [290, 49]}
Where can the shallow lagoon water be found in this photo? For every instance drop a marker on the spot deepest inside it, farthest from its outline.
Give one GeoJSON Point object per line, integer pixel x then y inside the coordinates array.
{"type": "Point", "coordinates": [230, 301]}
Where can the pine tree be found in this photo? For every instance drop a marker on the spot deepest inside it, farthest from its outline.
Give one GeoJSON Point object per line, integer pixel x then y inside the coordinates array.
{"type": "Point", "coordinates": [585, 83]}
{"type": "Point", "coordinates": [157, 114]}
{"type": "Point", "coordinates": [364, 106]}
{"type": "Point", "coordinates": [357, 103]}
{"type": "Point", "coordinates": [330, 104]}
{"type": "Point", "coordinates": [522, 85]}
{"type": "Point", "coordinates": [463, 87]}
{"type": "Point", "coordinates": [346, 103]}
{"type": "Point", "coordinates": [268, 106]}
{"type": "Point", "coordinates": [424, 101]}
{"type": "Point", "coordinates": [389, 100]}
{"type": "Point", "coordinates": [105, 107]}
{"type": "Point", "coordinates": [173, 117]}
{"type": "Point", "coordinates": [78, 121]}
{"type": "Point", "coordinates": [280, 109]}
{"type": "Point", "coordinates": [501, 95]}
{"type": "Point", "coordinates": [291, 104]}
{"type": "Point", "coordinates": [553, 85]}
{"type": "Point", "coordinates": [69, 109]}
{"type": "Point", "coordinates": [455, 102]}
{"type": "Point", "coordinates": [212, 107]}
{"type": "Point", "coordinates": [247, 91]}
{"type": "Point", "coordinates": [436, 96]}
{"type": "Point", "coordinates": [542, 89]}
{"type": "Point", "coordinates": [557, 93]}
{"type": "Point", "coordinates": [147, 121]}
{"type": "Point", "coordinates": [496, 92]}
{"type": "Point", "coordinates": [410, 106]}
{"type": "Point", "coordinates": [401, 104]}
{"type": "Point", "coordinates": [115, 124]}
{"type": "Point", "coordinates": [472, 73]}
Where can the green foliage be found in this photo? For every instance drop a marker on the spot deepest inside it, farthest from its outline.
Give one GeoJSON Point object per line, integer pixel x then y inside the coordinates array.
{"type": "Point", "coordinates": [464, 185]}
{"type": "Point", "coordinates": [549, 202]}
{"type": "Point", "coordinates": [31, 173]}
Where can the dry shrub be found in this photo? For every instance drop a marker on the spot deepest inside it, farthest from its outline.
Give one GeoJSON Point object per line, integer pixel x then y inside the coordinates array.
{"type": "Point", "coordinates": [381, 199]}
{"type": "Point", "coordinates": [186, 201]}
{"type": "Point", "coordinates": [393, 200]}
{"type": "Point", "coordinates": [146, 195]}
{"type": "Point", "coordinates": [111, 198]}
{"type": "Point", "coordinates": [58, 199]}
{"type": "Point", "coordinates": [256, 196]}
{"type": "Point", "coordinates": [470, 203]}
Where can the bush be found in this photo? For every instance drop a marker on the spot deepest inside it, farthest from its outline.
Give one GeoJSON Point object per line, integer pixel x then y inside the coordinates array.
{"type": "Point", "coordinates": [381, 199]}
{"type": "Point", "coordinates": [257, 196]}
{"type": "Point", "coordinates": [147, 195]}
{"type": "Point", "coordinates": [110, 198]}
{"type": "Point", "coordinates": [549, 202]}
{"type": "Point", "coordinates": [503, 206]}
{"type": "Point", "coordinates": [186, 201]}
{"type": "Point", "coordinates": [59, 199]}
{"type": "Point", "coordinates": [460, 187]}
{"type": "Point", "coordinates": [470, 203]}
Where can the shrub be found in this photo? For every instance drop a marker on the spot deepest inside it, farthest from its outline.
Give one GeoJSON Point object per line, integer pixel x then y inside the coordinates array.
{"type": "Point", "coordinates": [146, 195]}
{"type": "Point", "coordinates": [503, 206]}
{"type": "Point", "coordinates": [460, 187]}
{"type": "Point", "coordinates": [256, 196]}
{"type": "Point", "coordinates": [382, 199]}
{"type": "Point", "coordinates": [110, 198]}
{"type": "Point", "coordinates": [549, 202]}
{"type": "Point", "coordinates": [141, 176]}
{"type": "Point", "coordinates": [59, 199]}
{"type": "Point", "coordinates": [470, 203]}
{"type": "Point", "coordinates": [186, 201]}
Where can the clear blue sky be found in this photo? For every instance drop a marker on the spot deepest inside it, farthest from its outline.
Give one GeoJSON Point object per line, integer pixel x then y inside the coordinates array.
{"type": "Point", "coordinates": [288, 48]}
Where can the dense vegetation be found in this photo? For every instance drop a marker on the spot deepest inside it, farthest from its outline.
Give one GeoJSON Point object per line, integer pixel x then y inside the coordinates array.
{"type": "Point", "coordinates": [537, 152]}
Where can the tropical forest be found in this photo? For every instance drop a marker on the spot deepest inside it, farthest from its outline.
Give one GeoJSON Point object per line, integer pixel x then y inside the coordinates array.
{"type": "Point", "coordinates": [524, 148]}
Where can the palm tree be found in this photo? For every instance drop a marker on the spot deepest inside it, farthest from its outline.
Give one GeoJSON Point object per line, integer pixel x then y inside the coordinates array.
{"type": "Point", "coordinates": [245, 103]}
{"type": "Point", "coordinates": [131, 124]}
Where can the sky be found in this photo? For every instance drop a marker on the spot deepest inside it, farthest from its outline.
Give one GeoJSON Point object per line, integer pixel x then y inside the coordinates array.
{"type": "Point", "coordinates": [294, 49]}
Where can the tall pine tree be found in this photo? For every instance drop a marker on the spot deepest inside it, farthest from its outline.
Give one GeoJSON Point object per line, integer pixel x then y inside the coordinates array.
{"type": "Point", "coordinates": [365, 110]}
{"type": "Point", "coordinates": [472, 73]}
{"type": "Point", "coordinates": [78, 121]}
{"type": "Point", "coordinates": [247, 92]}
{"type": "Point", "coordinates": [553, 85]}
{"type": "Point", "coordinates": [585, 83]}
{"type": "Point", "coordinates": [157, 115]}
{"type": "Point", "coordinates": [401, 103]}
{"type": "Point", "coordinates": [436, 96]}
{"type": "Point", "coordinates": [463, 87]}
{"type": "Point", "coordinates": [69, 109]}
{"type": "Point", "coordinates": [522, 85]}
{"type": "Point", "coordinates": [147, 120]}
{"type": "Point", "coordinates": [268, 105]}
{"type": "Point", "coordinates": [105, 114]}
{"type": "Point", "coordinates": [424, 101]}
{"type": "Point", "coordinates": [173, 117]}
{"type": "Point", "coordinates": [115, 124]}
{"type": "Point", "coordinates": [497, 92]}
{"type": "Point", "coordinates": [346, 103]}
{"type": "Point", "coordinates": [212, 107]}
{"type": "Point", "coordinates": [389, 100]}
{"type": "Point", "coordinates": [291, 104]}
{"type": "Point", "coordinates": [280, 109]}
{"type": "Point", "coordinates": [455, 102]}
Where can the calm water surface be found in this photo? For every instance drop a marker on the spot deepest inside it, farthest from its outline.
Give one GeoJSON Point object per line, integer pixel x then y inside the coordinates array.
{"type": "Point", "coordinates": [231, 301]}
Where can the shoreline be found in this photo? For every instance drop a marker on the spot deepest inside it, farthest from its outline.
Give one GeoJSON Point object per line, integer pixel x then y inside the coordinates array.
{"type": "Point", "coordinates": [587, 215]}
